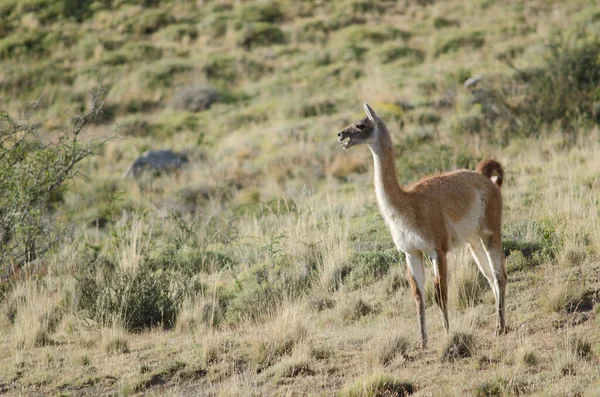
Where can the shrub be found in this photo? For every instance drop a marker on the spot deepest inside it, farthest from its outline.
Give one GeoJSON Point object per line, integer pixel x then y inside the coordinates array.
{"type": "Point", "coordinates": [163, 73]}
{"type": "Point", "coordinates": [148, 22]}
{"type": "Point", "coordinates": [458, 345]}
{"type": "Point", "coordinates": [263, 11]}
{"type": "Point", "coordinates": [392, 52]}
{"type": "Point", "coordinates": [260, 34]}
{"type": "Point", "coordinates": [441, 22]}
{"type": "Point", "coordinates": [135, 299]}
{"type": "Point", "coordinates": [195, 98]}
{"type": "Point", "coordinates": [567, 89]}
{"type": "Point", "coordinates": [261, 291]}
{"type": "Point", "coordinates": [378, 385]}
{"type": "Point", "coordinates": [472, 40]}
{"type": "Point", "coordinates": [368, 266]}
{"type": "Point", "coordinates": [32, 174]}
{"type": "Point", "coordinates": [354, 35]}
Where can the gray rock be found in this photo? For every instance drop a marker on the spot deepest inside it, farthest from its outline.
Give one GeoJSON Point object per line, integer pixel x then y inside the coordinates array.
{"type": "Point", "coordinates": [157, 161]}
{"type": "Point", "coordinates": [195, 98]}
{"type": "Point", "coordinates": [472, 81]}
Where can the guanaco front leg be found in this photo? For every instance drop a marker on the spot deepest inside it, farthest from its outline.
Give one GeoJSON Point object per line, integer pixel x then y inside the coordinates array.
{"type": "Point", "coordinates": [416, 278]}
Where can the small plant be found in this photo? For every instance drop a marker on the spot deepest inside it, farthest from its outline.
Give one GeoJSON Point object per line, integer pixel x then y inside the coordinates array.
{"type": "Point", "coordinates": [579, 347]}
{"type": "Point", "coordinates": [355, 309]}
{"type": "Point", "coordinates": [470, 286]}
{"type": "Point", "coordinates": [559, 296]}
{"type": "Point", "coordinates": [385, 350]}
{"type": "Point", "coordinates": [489, 389]}
{"type": "Point", "coordinates": [471, 40]}
{"type": "Point", "coordinates": [33, 171]}
{"type": "Point", "coordinates": [378, 384]}
{"type": "Point", "coordinates": [260, 34]}
{"type": "Point", "coordinates": [291, 368]}
{"type": "Point", "coordinates": [117, 345]}
{"type": "Point", "coordinates": [459, 345]}
{"type": "Point", "coordinates": [368, 266]}
{"type": "Point", "coordinates": [529, 357]}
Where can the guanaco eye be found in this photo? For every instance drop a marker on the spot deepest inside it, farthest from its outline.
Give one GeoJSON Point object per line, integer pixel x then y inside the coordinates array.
{"type": "Point", "coordinates": [360, 126]}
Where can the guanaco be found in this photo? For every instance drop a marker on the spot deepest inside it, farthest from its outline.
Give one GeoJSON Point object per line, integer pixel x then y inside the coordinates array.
{"type": "Point", "coordinates": [437, 214]}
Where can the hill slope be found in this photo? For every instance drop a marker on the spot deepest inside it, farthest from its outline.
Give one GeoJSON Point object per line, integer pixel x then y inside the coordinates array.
{"type": "Point", "coordinates": [262, 267]}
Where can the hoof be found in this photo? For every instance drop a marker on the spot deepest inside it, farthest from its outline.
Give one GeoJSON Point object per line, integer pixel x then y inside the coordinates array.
{"type": "Point", "coordinates": [501, 330]}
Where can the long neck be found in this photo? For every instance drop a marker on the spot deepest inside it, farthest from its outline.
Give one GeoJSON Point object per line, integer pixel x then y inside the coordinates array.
{"type": "Point", "coordinates": [389, 193]}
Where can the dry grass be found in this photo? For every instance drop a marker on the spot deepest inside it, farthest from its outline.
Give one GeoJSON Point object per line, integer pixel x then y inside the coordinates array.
{"type": "Point", "coordinates": [271, 190]}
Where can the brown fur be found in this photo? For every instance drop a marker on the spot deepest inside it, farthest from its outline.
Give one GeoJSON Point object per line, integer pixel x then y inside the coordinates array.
{"type": "Point", "coordinates": [490, 168]}
{"type": "Point", "coordinates": [428, 208]}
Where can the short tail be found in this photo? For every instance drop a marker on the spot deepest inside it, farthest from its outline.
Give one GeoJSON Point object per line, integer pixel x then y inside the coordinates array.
{"type": "Point", "coordinates": [491, 169]}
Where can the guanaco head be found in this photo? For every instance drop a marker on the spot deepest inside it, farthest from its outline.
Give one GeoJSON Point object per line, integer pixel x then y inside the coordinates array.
{"type": "Point", "coordinates": [360, 132]}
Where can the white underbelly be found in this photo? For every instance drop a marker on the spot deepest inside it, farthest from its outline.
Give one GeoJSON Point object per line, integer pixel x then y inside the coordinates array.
{"type": "Point", "coordinates": [408, 240]}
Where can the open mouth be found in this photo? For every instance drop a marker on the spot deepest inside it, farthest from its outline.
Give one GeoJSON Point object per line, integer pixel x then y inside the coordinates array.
{"type": "Point", "coordinates": [345, 143]}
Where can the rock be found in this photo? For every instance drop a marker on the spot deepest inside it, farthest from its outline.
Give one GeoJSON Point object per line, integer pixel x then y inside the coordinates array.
{"type": "Point", "coordinates": [157, 161]}
{"type": "Point", "coordinates": [472, 81]}
{"type": "Point", "coordinates": [195, 98]}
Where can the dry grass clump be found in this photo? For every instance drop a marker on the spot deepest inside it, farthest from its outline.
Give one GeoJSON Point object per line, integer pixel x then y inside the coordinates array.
{"type": "Point", "coordinates": [354, 309]}
{"type": "Point", "coordinates": [116, 345]}
{"type": "Point", "coordinates": [382, 351]}
{"type": "Point", "coordinates": [459, 345]}
{"type": "Point", "coordinates": [528, 356]}
{"type": "Point", "coordinates": [274, 340]}
{"type": "Point", "coordinates": [502, 386]}
{"type": "Point", "coordinates": [292, 367]}
{"type": "Point", "coordinates": [468, 283]}
{"type": "Point", "coordinates": [560, 294]}
{"type": "Point", "coordinates": [378, 385]}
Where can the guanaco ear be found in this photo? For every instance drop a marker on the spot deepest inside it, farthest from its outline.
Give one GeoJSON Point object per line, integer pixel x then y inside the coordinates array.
{"type": "Point", "coordinates": [370, 112]}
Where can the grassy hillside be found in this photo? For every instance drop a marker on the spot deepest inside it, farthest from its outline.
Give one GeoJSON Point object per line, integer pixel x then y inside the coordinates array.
{"type": "Point", "coordinates": [262, 267]}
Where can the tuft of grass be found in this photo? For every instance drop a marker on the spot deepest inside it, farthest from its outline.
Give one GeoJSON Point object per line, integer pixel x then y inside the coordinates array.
{"type": "Point", "coordinates": [291, 368]}
{"type": "Point", "coordinates": [559, 296]}
{"type": "Point", "coordinates": [459, 345]}
{"type": "Point", "coordinates": [355, 309]}
{"type": "Point", "coordinates": [384, 350]}
{"type": "Point", "coordinates": [368, 266]}
{"type": "Point", "coordinates": [470, 285]}
{"type": "Point", "coordinates": [376, 385]}
{"type": "Point", "coordinates": [266, 349]}
{"type": "Point", "coordinates": [116, 345]}
{"type": "Point", "coordinates": [529, 357]}
{"type": "Point", "coordinates": [469, 40]}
